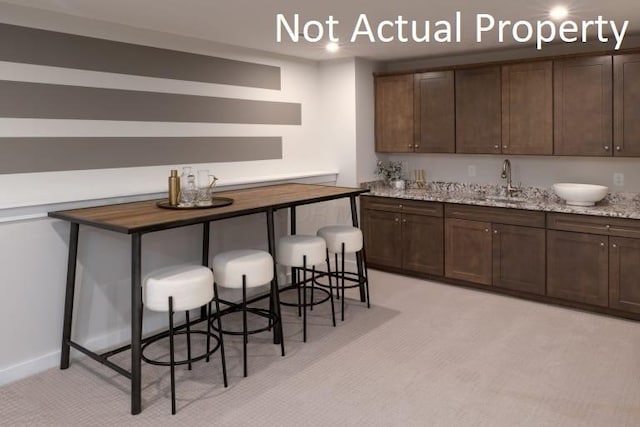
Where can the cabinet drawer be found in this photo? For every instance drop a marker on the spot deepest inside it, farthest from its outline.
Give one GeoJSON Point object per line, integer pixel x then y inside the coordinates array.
{"type": "Point", "coordinates": [619, 227]}
{"type": "Point", "coordinates": [415, 207]}
{"type": "Point", "coordinates": [381, 203]}
{"type": "Point", "coordinates": [496, 215]}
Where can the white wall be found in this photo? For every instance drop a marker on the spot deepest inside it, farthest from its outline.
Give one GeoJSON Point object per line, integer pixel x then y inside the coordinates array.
{"type": "Point", "coordinates": [365, 119]}
{"type": "Point", "coordinates": [33, 250]}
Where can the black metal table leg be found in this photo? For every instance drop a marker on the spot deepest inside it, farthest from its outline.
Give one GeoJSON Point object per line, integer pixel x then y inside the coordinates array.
{"type": "Point", "coordinates": [277, 332]}
{"type": "Point", "coordinates": [136, 323]}
{"type": "Point", "coordinates": [68, 299]}
{"type": "Point", "coordinates": [359, 260]}
{"type": "Point", "coordinates": [205, 258]}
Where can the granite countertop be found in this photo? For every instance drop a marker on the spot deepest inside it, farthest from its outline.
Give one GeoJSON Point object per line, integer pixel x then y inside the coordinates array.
{"type": "Point", "coordinates": [617, 205]}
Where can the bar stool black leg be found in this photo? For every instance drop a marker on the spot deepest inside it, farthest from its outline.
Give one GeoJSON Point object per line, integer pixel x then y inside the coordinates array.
{"type": "Point", "coordinates": [280, 327]}
{"type": "Point", "coordinates": [296, 282]}
{"type": "Point", "coordinates": [343, 275]}
{"type": "Point", "coordinates": [208, 329]}
{"type": "Point", "coordinates": [366, 276]}
{"type": "Point", "coordinates": [188, 338]}
{"type": "Point", "coordinates": [333, 309]}
{"type": "Point", "coordinates": [171, 359]}
{"type": "Point", "coordinates": [304, 295]}
{"type": "Point", "coordinates": [222, 357]}
{"type": "Point", "coordinates": [313, 277]}
{"type": "Point", "coordinates": [245, 336]}
{"type": "Point", "coordinates": [337, 271]}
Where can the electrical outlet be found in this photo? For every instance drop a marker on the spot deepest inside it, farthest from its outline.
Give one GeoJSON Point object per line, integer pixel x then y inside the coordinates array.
{"type": "Point", "coordinates": [618, 179]}
{"type": "Point", "coordinates": [471, 170]}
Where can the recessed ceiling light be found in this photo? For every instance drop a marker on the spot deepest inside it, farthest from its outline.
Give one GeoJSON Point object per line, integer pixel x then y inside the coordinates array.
{"type": "Point", "coordinates": [559, 12]}
{"type": "Point", "coordinates": [332, 47]}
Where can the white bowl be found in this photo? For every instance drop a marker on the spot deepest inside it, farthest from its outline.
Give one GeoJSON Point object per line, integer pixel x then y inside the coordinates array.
{"type": "Point", "coordinates": [580, 194]}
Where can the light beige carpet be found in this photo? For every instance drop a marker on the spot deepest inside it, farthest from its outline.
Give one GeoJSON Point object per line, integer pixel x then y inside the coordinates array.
{"type": "Point", "coordinates": [425, 354]}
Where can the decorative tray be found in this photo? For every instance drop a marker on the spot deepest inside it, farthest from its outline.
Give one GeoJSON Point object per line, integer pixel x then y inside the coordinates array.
{"type": "Point", "coordinates": [216, 202]}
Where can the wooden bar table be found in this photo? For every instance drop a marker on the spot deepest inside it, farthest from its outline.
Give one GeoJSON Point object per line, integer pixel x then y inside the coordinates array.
{"type": "Point", "coordinates": [139, 218]}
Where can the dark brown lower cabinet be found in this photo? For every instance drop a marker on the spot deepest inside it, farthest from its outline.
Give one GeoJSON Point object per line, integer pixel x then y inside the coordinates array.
{"type": "Point", "coordinates": [405, 235]}
{"type": "Point", "coordinates": [577, 258]}
{"type": "Point", "coordinates": [624, 274]}
{"type": "Point", "coordinates": [382, 237]}
{"type": "Point", "coordinates": [468, 250]}
{"type": "Point", "coordinates": [519, 258]}
{"type": "Point", "coordinates": [578, 267]}
{"type": "Point", "coordinates": [422, 244]}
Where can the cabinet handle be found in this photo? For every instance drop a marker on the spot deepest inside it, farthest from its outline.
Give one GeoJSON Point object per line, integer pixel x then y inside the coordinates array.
{"type": "Point", "coordinates": [608, 226]}
{"type": "Point", "coordinates": [404, 220]}
{"type": "Point", "coordinates": [606, 148]}
{"type": "Point", "coordinates": [618, 148]}
{"type": "Point", "coordinates": [410, 145]}
{"type": "Point", "coordinates": [504, 147]}
{"type": "Point", "coordinates": [397, 219]}
{"type": "Point", "coordinates": [417, 146]}
{"type": "Point", "coordinates": [601, 243]}
{"type": "Point", "coordinates": [495, 231]}
{"type": "Point", "coordinates": [614, 246]}
{"type": "Point", "coordinates": [486, 230]}
{"type": "Point", "coordinates": [496, 147]}
{"type": "Point", "coordinates": [400, 206]}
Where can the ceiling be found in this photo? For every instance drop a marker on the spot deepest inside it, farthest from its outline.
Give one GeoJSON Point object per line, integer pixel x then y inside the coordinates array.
{"type": "Point", "coordinates": [252, 23]}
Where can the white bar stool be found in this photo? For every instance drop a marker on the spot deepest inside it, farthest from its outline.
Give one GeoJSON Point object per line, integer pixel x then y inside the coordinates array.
{"type": "Point", "coordinates": [304, 252]}
{"type": "Point", "coordinates": [345, 239]}
{"type": "Point", "coordinates": [244, 269]}
{"type": "Point", "coordinates": [182, 288]}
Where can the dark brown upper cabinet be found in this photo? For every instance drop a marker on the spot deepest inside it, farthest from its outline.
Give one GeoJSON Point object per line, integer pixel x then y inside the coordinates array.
{"type": "Point", "coordinates": [583, 116]}
{"type": "Point", "coordinates": [527, 108]}
{"type": "Point", "coordinates": [394, 113]}
{"type": "Point", "coordinates": [434, 112]}
{"type": "Point", "coordinates": [626, 107]}
{"type": "Point", "coordinates": [478, 110]}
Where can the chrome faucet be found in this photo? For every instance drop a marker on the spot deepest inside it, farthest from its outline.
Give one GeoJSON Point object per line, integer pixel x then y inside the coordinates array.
{"type": "Point", "coordinates": [506, 174]}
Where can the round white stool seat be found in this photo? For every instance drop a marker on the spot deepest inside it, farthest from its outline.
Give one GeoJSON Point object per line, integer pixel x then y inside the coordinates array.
{"type": "Point", "coordinates": [336, 235]}
{"type": "Point", "coordinates": [230, 266]}
{"type": "Point", "coordinates": [293, 249]}
{"type": "Point", "coordinates": [191, 286]}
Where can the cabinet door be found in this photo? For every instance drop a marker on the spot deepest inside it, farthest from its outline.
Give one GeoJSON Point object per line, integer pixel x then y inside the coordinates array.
{"type": "Point", "coordinates": [578, 267]}
{"type": "Point", "coordinates": [394, 113]}
{"type": "Point", "coordinates": [626, 105]}
{"type": "Point", "coordinates": [527, 108]}
{"type": "Point", "coordinates": [423, 244]}
{"type": "Point", "coordinates": [382, 237]}
{"type": "Point", "coordinates": [624, 274]}
{"type": "Point", "coordinates": [478, 110]}
{"type": "Point", "coordinates": [519, 258]}
{"type": "Point", "coordinates": [434, 112]}
{"type": "Point", "coordinates": [583, 117]}
{"type": "Point", "coordinates": [468, 250]}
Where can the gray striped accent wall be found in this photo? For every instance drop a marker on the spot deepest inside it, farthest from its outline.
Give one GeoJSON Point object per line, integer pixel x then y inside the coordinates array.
{"type": "Point", "coordinates": [43, 101]}
{"type": "Point", "coordinates": [43, 47]}
{"type": "Point", "coordinates": [48, 101]}
{"type": "Point", "coordinates": [26, 155]}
